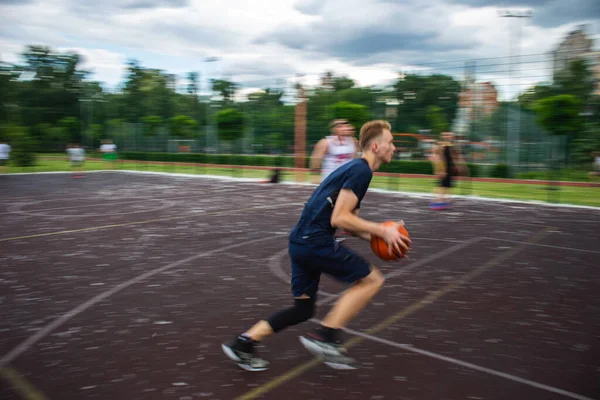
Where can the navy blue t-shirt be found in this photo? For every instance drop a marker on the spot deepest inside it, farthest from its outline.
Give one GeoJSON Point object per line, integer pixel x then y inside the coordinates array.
{"type": "Point", "coordinates": [315, 222]}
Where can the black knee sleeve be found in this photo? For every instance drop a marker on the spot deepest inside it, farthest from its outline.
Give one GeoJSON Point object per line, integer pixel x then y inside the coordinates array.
{"type": "Point", "coordinates": [302, 310]}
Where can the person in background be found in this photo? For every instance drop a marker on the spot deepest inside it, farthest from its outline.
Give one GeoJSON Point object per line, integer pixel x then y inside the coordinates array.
{"type": "Point", "coordinates": [334, 150]}
{"type": "Point", "coordinates": [4, 156]}
{"type": "Point", "coordinates": [110, 153]}
{"type": "Point", "coordinates": [76, 157]}
{"type": "Point", "coordinates": [448, 162]}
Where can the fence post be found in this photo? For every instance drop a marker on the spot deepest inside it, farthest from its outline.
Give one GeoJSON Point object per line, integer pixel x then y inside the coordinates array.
{"type": "Point", "coordinates": [300, 133]}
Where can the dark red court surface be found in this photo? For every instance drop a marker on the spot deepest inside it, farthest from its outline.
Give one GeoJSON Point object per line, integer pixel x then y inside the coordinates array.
{"type": "Point", "coordinates": [124, 285]}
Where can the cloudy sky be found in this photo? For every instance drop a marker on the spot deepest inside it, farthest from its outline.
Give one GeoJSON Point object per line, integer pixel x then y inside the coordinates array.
{"type": "Point", "coordinates": [268, 42]}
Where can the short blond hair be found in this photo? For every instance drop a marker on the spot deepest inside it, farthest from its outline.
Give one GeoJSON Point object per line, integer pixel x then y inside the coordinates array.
{"type": "Point", "coordinates": [371, 131]}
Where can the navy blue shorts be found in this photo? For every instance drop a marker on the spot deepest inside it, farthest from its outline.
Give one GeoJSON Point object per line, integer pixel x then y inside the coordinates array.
{"type": "Point", "coordinates": [309, 260]}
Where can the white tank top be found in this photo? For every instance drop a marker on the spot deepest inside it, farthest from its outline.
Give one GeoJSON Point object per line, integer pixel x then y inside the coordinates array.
{"type": "Point", "coordinates": [338, 153]}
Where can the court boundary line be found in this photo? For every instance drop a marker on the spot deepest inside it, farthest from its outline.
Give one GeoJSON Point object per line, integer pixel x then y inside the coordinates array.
{"type": "Point", "coordinates": [401, 314]}
{"type": "Point", "coordinates": [140, 200]}
{"type": "Point", "coordinates": [544, 245]}
{"type": "Point", "coordinates": [190, 215]}
{"type": "Point", "coordinates": [16, 209]}
{"type": "Point", "coordinates": [422, 195]}
{"type": "Point", "coordinates": [60, 195]}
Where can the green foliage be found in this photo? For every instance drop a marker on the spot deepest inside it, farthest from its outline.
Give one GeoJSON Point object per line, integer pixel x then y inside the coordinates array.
{"type": "Point", "coordinates": [417, 93]}
{"type": "Point", "coordinates": [230, 123]}
{"type": "Point", "coordinates": [586, 144]}
{"type": "Point", "coordinates": [183, 126]}
{"type": "Point", "coordinates": [93, 135]}
{"type": "Point", "coordinates": [49, 94]}
{"type": "Point", "coordinates": [532, 95]}
{"type": "Point", "coordinates": [342, 83]}
{"type": "Point", "coordinates": [225, 88]}
{"type": "Point", "coordinates": [274, 141]}
{"type": "Point", "coordinates": [408, 167]}
{"type": "Point", "coordinates": [356, 114]}
{"type": "Point", "coordinates": [559, 114]}
{"type": "Point", "coordinates": [151, 124]}
{"type": "Point", "coordinates": [577, 80]}
{"type": "Point", "coordinates": [501, 171]}
{"type": "Point", "coordinates": [72, 129]}
{"type": "Point", "coordinates": [192, 87]}
{"type": "Point", "coordinates": [474, 170]}
{"type": "Point", "coordinates": [23, 145]}
{"type": "Point", "coordinates": [437, 120]}
{"type": "Point", "coordinates": [231, 159]}
{"type": "Point", "coordinates": [560, 175]}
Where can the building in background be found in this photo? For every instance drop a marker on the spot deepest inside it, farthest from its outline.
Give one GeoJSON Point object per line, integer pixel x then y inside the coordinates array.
{"type": "Point", "coordinates": [577, 45]}
{"type": "Point", "coordinates": [477, 100]}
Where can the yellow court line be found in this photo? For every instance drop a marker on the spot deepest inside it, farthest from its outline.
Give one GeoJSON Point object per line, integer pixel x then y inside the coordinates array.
{"type": "Point", "coordinates": [21, 385]}
{"type": "Point", "coordinates": [405, 312]}
{"type": "Point", "coordinates": [93, 228]}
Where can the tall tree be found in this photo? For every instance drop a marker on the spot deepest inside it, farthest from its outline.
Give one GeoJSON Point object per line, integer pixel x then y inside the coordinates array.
{"type": "Point", "coordinates": [559, 115]}
{"type": "Point", "coordinates": [342, 83]}
{"type": "Point", "coordinates": [536, 93]}
{"type": "Point", "coordinates": [356, 114]}
{"type": "Point", "coordinates": [132, 91]}
{"type": "Point", "coordinates": [437, 120]}
{"type": "Point", "coordinates": [225, 88]}
{"type": "Point", "coordinates": [230, 123]}
{"type": "Point", "coordinates": [578, 80]}
{"type": "Point", "coordinates": [416, 93]}
{"type": "Point", "coordinates": [192, 87]}
{"type": "Point", "coordinates": [55, 87]}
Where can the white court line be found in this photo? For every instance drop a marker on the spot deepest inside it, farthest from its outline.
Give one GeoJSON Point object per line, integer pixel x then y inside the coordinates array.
{"type": "Point", "coordinates": [416, 264]}
{"type": "Point", "coordinates": [57, 172]}
{"type": "Point", "coordinates": [421, 195]}
{"type": "Point", "coordinates": [16, 209]}
{"type": "Point", "coordinates": [465, 364]}
{"type": "Point", "coordinates": [109, 199]}
{"type": "Point", "coordinates": [32, 340]}
{"type": "Point", "coordinates": [545, 245]}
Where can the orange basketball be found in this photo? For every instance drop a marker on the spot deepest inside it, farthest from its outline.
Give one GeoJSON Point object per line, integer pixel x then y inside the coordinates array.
{"type": "Point", "coordinates": [380, 247]}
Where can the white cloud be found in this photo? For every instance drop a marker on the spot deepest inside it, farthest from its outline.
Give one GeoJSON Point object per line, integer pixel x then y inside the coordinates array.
{"type": "Point", "coordinates": [103, 64]}
{"type": "Point", "coordinates": [260, 41]}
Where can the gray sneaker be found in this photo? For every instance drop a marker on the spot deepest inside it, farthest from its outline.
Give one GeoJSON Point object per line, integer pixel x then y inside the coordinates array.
{"type": "Point", "coordinates": [333, 354]}
{"type": "Point", "coordinates": [242, 352]}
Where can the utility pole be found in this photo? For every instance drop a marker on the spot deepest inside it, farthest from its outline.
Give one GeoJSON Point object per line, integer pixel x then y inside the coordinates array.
{"type": "Point", "coordinates": [516, 129]}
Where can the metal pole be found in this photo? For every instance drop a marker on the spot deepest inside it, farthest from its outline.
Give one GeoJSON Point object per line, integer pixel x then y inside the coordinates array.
{"type": "Point", "coordinates": [515, 14]}
{"type": "Point", "coordinates": [207, 110]}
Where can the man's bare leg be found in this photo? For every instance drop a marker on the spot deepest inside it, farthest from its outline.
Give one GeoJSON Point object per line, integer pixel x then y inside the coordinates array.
{"type": "Point", "coordinates": [354, 300]}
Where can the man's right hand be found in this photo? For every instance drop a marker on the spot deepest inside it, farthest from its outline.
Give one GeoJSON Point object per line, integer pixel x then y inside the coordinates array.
{"type": "Point", "coordinates": [395, 240]}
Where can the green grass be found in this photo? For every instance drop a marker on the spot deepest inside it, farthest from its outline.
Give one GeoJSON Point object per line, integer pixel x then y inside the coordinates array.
{"type": "Point", "coordinates": [559, 175]}
{"type": "Point", "coordinates": [589, 196]}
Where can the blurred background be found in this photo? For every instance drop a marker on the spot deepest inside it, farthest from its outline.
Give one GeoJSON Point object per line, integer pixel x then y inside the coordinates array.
{"type": "Point", "coordinates": [523, 96]}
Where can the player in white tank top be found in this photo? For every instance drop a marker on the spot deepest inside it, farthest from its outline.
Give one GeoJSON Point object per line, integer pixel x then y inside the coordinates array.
{"type": "Point", "coordinates": [335, 150]}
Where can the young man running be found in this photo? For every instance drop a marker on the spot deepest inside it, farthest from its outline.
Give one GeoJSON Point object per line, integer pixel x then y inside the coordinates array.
{"type": "Point", "coordinates": [313, 250]}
